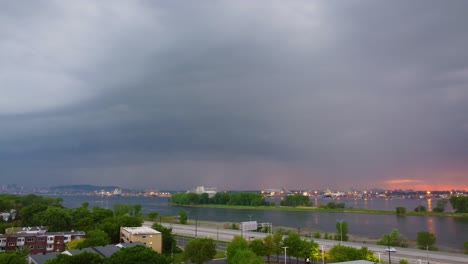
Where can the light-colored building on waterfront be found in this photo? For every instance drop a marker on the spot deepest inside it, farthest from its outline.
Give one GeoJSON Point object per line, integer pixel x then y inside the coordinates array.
{"type": "Point", "coordinates": [146, 235]}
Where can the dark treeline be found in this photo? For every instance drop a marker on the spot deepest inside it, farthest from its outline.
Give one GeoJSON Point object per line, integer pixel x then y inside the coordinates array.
{"type": "Point", "coordinates": [34, 210]}
{"type": "Point", "coordinates": [240, 198]}
{"type": "Point", "coordinates": [246, 199]}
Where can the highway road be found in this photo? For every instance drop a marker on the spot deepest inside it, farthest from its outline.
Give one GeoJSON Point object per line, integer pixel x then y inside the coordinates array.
{"type": "Point", "coordinates": [414, 256]}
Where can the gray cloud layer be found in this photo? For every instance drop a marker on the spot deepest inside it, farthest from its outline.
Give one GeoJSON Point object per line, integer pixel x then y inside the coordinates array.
{"type": "Point", "coordinates": [235, 94]}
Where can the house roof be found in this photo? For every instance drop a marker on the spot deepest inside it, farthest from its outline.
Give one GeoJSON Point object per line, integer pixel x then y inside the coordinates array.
{"type": "Point", "coordinates": [42, 258]}
{"type": "Point", "coordinates": [103, 251]}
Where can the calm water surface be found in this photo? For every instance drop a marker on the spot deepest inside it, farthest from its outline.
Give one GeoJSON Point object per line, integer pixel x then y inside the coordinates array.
{"type": "Point", "coordinates": [450, 231]}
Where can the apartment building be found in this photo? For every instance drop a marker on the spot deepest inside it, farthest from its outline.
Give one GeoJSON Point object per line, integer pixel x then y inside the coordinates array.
{"type": "Point", "coordinates": [150, 237]}
{"type": "Point", "coordinates": [37, 239]}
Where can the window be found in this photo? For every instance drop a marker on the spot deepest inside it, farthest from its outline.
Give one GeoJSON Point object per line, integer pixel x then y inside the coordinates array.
{"type": "Point", "coordinates": [41, 239]}
{"type": "Point", "coordinates": [50, 246]}
{"type": "Point", "coordinates": [143, 236]}
{"type": "Point", "coordinates": [50, 238]}
{"type": "Point", "coordinates": [31, 247]}
{"type": "Point", "coordinates": [11, 244]}
{"type": "Point", "coordinates": [30, 239]}
{"type": "Point", "coordinates": [40, 246]}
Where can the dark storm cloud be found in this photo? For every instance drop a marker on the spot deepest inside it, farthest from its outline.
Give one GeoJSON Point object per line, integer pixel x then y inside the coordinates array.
{"type": "Point", "coordinates": [232, 93]}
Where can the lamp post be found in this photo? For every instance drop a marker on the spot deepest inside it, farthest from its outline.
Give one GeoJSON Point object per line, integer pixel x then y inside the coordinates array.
{"type": "Point", "coordinates": [341, 231]}
{"type": "Point", "coordinates": [285, 254]}
{"type": "Point", "coordinates": [196, 227]}
{"type": "Point", "coordinates": [388, 241]}
{"type": "Point", "coordinates": [323, 256]}
{"type": "Point", "coordinates": [427, 253]}
{"type": "Point", "coordinates": [379, 255]}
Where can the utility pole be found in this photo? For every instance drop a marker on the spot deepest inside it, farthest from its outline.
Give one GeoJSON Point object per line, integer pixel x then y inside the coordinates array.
{"type": "Point", "coordinates": [196, 227]}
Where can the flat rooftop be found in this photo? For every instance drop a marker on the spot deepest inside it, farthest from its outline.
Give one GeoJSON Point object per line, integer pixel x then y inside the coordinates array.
{"type": "Point", "coordinates": [141, 230]}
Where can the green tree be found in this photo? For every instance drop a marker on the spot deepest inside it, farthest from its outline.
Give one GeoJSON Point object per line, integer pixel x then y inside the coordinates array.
{"type": "Point", "coordinates": [465, 247]}
{"type": "Point", "coordinates": [341, 231]}
{"type": "Point", "coordinates": [74, 244]}
{"type": "Point", "coordinates": [293, 242]}
{"type": "Point", "coordinates": [81, 218]}
{"type": "Point", "coordinates": [27, 214]}
{"type": "Point", "coordinates": [420, 208]}
{"type": "Point", "coordinates": [403, 261]}
{"type": "Point", "coordinates": [317, 234]}
{"type": "Point", "coordinates": [136, 255]}
{"type": "Point", "coordinates": [237, 243]}
{"type": "Point", "coordinates": [400, 210]}
{"type": "Point", "coordinates": [440, 206]}
{"type": "Point", "coordinates": [394, 239]}
{"type": "Point", "coordinates": [168, 241]}
{"type": "Point", "coordinates": [459, 203]}
{"type": "Point", "coordinates": [310, 249]}
{"type": "Point", "coordinates": [296, 200]}
{"type": "Point", "coordinates": [56, 219]}
{"type": "Point", "coordinates": [84, 257]}
{"type": "Point", "coordinates": [95, 238]}
{"type": "Point", "coordinates": [277, 244]}
{"type": "Point", "coordinates": [152, 216]}
{"type": "Point", "coordinates": [258, 247]}
{"type": "Point", "coordinates": [100, 215]}
{"type": "Point", "coordinates": [340, 253]}
{"type": "Point", "coordinates": [183, 218]}
{"type": "Point", "coordinates": [112, 225]}
{"type": "Point", "coordinates": [12, 258]}
{"type": "Point", "coordinates": [269, 246]}
{"type": "Point", "coordinates": [245, 256]}
{"type": "Point", "coordinates": [200, 250]}
{"type": "Point", "coordinates": [426, 240]}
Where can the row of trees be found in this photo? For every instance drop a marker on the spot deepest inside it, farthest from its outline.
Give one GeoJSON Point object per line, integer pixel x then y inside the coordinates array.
{"type": "Point", "coordinates": [241, 198]}
{"type": "Point", "coordinates": [424, 240]}
{"type": "Point", "coordinates": [246, 199]}
{"type": "Point", "coordinates": [240, 251]}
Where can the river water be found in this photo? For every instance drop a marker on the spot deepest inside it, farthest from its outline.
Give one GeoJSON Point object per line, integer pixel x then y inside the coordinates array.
{"type": "Point", "coordinates": [450, 231]}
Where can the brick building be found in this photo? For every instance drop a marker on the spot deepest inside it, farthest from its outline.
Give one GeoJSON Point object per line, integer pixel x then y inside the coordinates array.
{"type": "Point", "coordinates": [36, 239]}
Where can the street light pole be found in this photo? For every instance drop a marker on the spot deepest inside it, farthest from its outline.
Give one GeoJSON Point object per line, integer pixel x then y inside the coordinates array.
{"type": "Point", "coordinates": [388, 241]}
{"type": "Point", "coordinates": [379, 255]}
{"type": "Point", "coordinates": [341, 231]}
{"type": "Point", "coordinates": [285, 254]}
{"type": "Point", "coordinates": [323, 256]}
{"type": "Point", "coordinates": [427, 253]}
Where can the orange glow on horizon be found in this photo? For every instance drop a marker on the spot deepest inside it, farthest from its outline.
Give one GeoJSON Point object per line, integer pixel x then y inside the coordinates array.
{"type": "Point", "coordinates": [422, 185]}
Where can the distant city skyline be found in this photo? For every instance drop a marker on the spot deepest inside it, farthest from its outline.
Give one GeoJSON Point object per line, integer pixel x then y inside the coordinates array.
{"type": "Point", "coordinates": [235, 94]}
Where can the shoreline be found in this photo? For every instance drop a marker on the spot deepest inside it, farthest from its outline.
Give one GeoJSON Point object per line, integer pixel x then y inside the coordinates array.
{"type": "Point", "coordinates": [316, 209]}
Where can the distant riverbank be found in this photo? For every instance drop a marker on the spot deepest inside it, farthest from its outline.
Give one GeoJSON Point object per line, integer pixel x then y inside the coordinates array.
{"type": "Point", "coordinates": [323, 210]}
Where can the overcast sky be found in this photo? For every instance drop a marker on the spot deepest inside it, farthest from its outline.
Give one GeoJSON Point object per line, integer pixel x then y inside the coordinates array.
{"type": "Point", "coordinates": [234, 94]}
